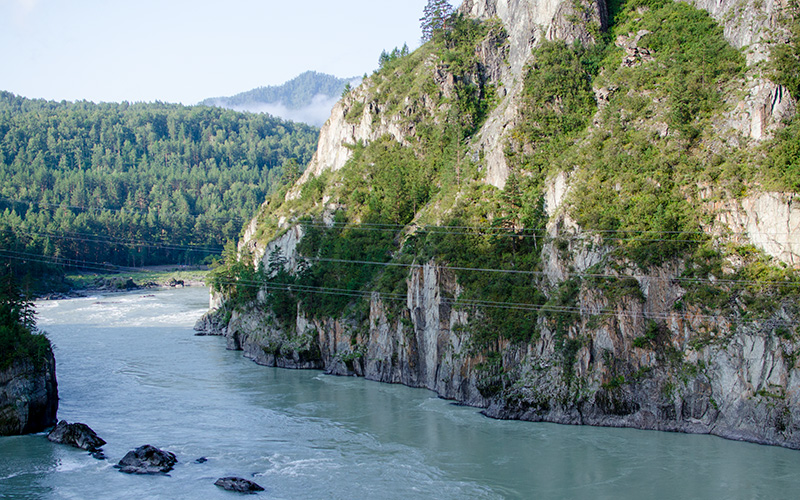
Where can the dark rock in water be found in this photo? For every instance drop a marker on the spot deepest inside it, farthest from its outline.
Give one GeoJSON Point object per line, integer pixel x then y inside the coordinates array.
{"type": "Point", "coordinates": [147, 460]}
{"type": "Point", "coordinates": [201, 460]}
{"type": "Point", "coordinates": [77, 435]}
{"type": "Point", "coordinates": [238, 485]}
{"type": "Point", "coordinates": [28, 395]}
{"type": "Point", "coordinates": [175, 282]}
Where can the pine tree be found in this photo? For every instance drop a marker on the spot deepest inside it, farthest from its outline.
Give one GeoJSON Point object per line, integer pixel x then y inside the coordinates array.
{"type": "Point", "coordinates": [15, 306]}
{"type": "Point", "coordinates": [435, 18]}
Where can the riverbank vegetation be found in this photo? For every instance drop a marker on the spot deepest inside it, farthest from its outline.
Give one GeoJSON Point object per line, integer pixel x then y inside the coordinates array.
{"type": "Point", "coordinates": [121, 279]}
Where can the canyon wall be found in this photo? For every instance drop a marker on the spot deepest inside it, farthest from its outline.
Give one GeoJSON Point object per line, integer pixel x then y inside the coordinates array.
{"type": "Point", "coordinates": [633, 353]}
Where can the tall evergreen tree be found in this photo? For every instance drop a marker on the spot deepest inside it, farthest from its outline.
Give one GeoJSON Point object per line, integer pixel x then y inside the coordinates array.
{"type": "Point", "coordinates": [435, 17]}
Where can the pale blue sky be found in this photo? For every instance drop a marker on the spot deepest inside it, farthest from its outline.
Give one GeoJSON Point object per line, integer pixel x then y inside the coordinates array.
{"type": "Point", "coordinates": [187, 50]}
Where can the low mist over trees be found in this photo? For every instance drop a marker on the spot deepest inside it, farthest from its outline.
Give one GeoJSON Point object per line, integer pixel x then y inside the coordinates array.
{"type": "Point", "coordinates": [308, 98]}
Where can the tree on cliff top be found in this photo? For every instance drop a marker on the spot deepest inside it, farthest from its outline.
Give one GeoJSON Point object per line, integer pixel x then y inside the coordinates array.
{"type": "Point", "coordinates": [435, 17]}
{"type": "Point", "coordinates": [19, 338]}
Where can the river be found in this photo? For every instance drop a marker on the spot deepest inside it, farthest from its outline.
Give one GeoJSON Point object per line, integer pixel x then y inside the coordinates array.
{"type": "Point", "coordinates": [129, 366]}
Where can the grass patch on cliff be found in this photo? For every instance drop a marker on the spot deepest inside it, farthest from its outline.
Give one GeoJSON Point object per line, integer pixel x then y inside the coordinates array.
{"type": "Point", "coordinates": [785, 57]}
{"type": "Point", "coordinates": [503, 231]}
{"type": "Point", "coordinates": [338, 272]}
{"type": "Point", "coordinates": [754, 288]}
{"type": "Point", "coordinates": [645, 147]}
{"type": "Point", "coordinates": [637, 164]}
{"type": "Point", "coordinates": [462, 97]}
{"type": "Point", "coordinates": [782, 163]}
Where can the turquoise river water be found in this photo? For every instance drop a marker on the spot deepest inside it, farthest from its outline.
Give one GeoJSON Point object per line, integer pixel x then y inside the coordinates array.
{"type": "Point", "coordinates": [130, 367]}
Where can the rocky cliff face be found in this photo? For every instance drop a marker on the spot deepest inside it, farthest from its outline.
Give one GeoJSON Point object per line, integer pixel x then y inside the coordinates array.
{"type": "Point", "coordinates": [749, 24]}
{"type": "Point", "coordinates": [693, 372]}
{"type": "Point", "coordinates": [346, 127]}
{"type": "Point", "coordinates": [770, 221]}
{"type": "Point", "coordinates": [28, 397]}
{"type": "Point", "coordinates": [527, 23]}
{"type": "Point", "coordinates": [616, 343]}
{"type": "Point", "coordinates": [752, 26]}
{"type": "Point", "coordinates": [420, 344]}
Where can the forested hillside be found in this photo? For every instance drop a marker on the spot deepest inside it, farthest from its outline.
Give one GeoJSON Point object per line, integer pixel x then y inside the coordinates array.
{"type": "Point", "coordinates": [589, 221]}
{"type": "Point", "coordinates": [134, 184]}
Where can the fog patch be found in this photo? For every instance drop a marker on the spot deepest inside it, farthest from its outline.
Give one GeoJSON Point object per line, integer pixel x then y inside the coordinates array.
{"type": "Point", "coordinates": [316, 113]}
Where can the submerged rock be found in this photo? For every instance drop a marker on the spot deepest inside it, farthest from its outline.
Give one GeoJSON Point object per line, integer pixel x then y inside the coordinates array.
{"type": "Point", "coordinates": [238, 485]}
{"type": "Point", "coordinates": [147, 459]}
{"type": "Point", "coordinates": [77, 435]}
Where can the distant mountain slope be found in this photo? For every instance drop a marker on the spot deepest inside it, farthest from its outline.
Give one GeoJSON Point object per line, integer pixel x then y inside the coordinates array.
{"type": "Point", "coordinates": [81, 180]}
{"type": "Point", "coordinates": [307, 98]}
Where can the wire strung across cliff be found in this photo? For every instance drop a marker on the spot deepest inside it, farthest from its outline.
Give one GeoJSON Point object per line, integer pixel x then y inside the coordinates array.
{"type": "Point", "coordinates": [395, 297]}
{"type": "Point", "coordinates": [87, 237]}
{"type": "Point", "coordinates": [439, 229]}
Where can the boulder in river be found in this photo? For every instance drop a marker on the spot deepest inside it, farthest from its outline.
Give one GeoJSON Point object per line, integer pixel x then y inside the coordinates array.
{"type": "Point", "coordinates": [147, 460]}
{"type": "Point", "coordinates": [77, 435]}
{"type": "Point", "coordinates": [238, 485]}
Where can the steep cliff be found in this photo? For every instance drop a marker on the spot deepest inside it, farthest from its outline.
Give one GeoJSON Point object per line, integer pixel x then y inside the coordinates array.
{"type": "Point", "coordinates": [552, 211]}
{"type": "Point", "coordinates": [28, 396]}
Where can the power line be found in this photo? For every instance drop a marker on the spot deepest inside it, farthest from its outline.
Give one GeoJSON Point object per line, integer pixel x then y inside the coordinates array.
{"type": "Point", "coordinates": [523, 230]}
{"type": "Point", "coordinates": [458, 302]}
{"type": "Point", "coordinates": [87, 237]}
{"type": "Point", "coordinates": [93, 238]}
{"type": "Point", "coordinates": [522, 233]}
{"type": "Point", "coordinates": [442, 229]}
{"type": "Point", "coordinates": [65, 261]}
{"type": "Point", "coordinates": [545, 274]}
{"type": "Point", "coordinates": [388, 296]}
{"type": "Point", "coordinates": [121, 210]}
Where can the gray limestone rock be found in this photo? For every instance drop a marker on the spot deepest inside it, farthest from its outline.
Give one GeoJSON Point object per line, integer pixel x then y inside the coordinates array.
{"type": "Point", "coordinates": [77, 435]}
{"type": "Point", "coordinates": [147, 459]}
{"type": "Point", "coordinates": [238, 485]}
{"type": "Point", "coordinates": [28, 396]}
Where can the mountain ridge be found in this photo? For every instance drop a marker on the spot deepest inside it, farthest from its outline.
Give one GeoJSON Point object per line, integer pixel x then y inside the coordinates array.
{"type": "Point", "coordinates": [307, 97]}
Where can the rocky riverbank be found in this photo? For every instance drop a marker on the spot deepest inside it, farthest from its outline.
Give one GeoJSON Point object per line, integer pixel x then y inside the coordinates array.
{"type": "Point", "coordinates": [151, 278]}
{"type": "Point", "coordinates": [28, 396]}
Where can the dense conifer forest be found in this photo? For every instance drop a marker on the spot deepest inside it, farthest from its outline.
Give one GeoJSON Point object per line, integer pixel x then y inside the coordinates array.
{"type": "Point", "coordinates": [134, 184]}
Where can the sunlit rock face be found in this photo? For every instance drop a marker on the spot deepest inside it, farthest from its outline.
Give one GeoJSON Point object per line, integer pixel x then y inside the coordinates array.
{"type": "Point", "coordinates": [640, 359]}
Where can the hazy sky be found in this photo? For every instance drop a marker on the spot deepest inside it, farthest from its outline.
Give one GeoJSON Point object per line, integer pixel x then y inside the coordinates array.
{"type": "Point", "coordinates": [188, 50]}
